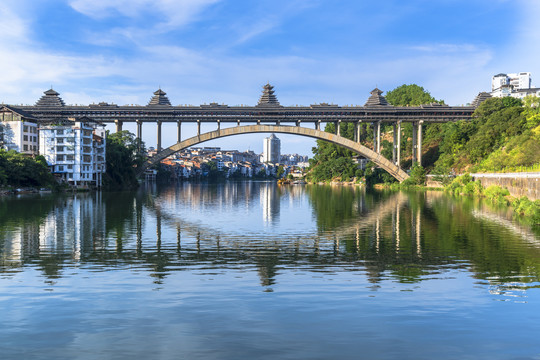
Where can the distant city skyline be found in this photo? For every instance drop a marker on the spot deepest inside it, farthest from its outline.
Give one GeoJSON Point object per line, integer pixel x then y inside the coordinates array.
{"type": "Point", "coordinates": [202, 51]}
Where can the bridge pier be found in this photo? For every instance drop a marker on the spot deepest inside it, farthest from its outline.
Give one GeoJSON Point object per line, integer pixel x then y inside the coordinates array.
{"type": "Point", "coordinates": [318, 125]}
{"type": "Point", "coordinates": [178, 131]}
{"type": "Point", "coordinates": [218, 126]}
{"type": "Point", "coordinates": [238, 122]}
{"type": "Point", "coordinates": [397, 143]}
{"type": "Point", "coordinates": [158, 136]}
{"type": "Point", "coordinates": [377, 137]}
{"type": "Point", "coordinates": [297, 122]}
{"type": "Point", "coordinates": [420, 142]}
{"type": "Point", "coordinates": [198, 127]}
{"type": "Point", "coordinates": [358, 131]}
{"type": "Point", "coordinates": [417, 142]}
{"type": "Point", "coordinates": [139, 134]}
{"type": "Point", "coordinates": [119, 124]}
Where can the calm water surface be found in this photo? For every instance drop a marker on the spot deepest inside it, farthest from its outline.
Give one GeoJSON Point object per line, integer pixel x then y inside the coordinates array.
{"type": "Point", "coordinates": [255, 271]}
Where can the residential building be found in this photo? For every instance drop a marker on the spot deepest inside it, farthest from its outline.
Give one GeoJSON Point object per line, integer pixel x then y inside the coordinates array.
{"type": "Point", "coordinates": [517, 85]}
{"type": "Point", "coordinates": [271, 149]}
{"type": "Point", "coordinates": [75, 151]}
{"type": "Point", "coordinates": [18, 131]}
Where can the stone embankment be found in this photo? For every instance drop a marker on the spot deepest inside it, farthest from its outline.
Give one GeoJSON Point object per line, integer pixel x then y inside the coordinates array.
{"type": "Point", "coordinates": [518, 184]}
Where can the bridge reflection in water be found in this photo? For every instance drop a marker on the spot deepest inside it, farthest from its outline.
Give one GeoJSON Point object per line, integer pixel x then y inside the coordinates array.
{"type": "Point", "coordinates": [250, 226]}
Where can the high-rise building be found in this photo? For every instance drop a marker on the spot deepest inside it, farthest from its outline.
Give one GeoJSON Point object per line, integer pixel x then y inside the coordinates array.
{"type": "Point", "coordinates": [271, 149]}
{"type": "Point", "coordinates": [75, 152]}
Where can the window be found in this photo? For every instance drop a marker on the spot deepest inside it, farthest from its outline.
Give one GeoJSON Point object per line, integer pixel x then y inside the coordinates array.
{"type": "Point", "coordinates": [70, 167]}
{"type": "Point", "coordinates": [60, 148]}
{"type": "Point", "coordinates": [60, 132]}
{"type": "Point", "coordinates": [25, 128]}
{"type": "Point", "coordinates": [70, 158]}
{"type": "Point", "coordinates": [25, 137]}
{"type": "Point", "coordinates": [59, 157]}
{"type": "Point", "coordinates": [60, 140]}
{"type": "Point", "coordinates": [25, 147]}
{"type": "Point", "coordinates": [60, 168]}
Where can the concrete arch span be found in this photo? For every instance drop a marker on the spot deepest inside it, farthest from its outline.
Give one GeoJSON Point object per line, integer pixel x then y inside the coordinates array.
{"type": "Point", "coordinates": [378, 159]}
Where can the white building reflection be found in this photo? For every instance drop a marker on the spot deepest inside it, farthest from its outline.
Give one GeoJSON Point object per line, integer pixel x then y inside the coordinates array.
{"type": "Point", "coordinates": [270, 202]}
{"type": "Point", "coordinates": [72, 224]}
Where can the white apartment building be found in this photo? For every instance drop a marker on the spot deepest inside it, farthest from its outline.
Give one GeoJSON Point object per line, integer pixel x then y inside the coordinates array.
{"type": "Point", "coordinates": [18, 131]}
{"type": "Point", "coordinates": [517, 85]}
{"type": "Point", "coordinates": [271, 149]}
{"type": "Point", "coordinates": [75, 151]}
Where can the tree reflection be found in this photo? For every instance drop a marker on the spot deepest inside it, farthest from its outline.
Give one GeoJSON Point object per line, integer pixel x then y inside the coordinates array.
{"type": "Point", "coordinates": [407, 237]}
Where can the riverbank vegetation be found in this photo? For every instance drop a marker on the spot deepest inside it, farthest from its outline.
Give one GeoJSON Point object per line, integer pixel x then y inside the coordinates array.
{"type": "Point", "coordinates": [464, 185]}
{"type": "Point", "coordinates": [19, 170]}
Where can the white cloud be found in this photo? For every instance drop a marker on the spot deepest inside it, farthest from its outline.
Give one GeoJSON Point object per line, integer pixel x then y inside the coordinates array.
{"type": "Point", "coordinates": [175, 12]}
{"type": "Point", "coordinates": [12, 27]}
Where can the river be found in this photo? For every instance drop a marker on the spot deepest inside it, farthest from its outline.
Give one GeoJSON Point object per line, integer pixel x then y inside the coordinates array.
{"type": "Point", "coordinates": [250, 270]}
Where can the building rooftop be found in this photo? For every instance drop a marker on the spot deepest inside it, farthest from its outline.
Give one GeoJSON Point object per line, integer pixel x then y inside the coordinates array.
{"type": "Point", "coordinates": [376, 99]}
{"type": "Point", "coordinates": [50, 99]}
{"type": "Point", "coordinates": [160, 98]}
{"type": "Point", "coordinates": [268, 98]}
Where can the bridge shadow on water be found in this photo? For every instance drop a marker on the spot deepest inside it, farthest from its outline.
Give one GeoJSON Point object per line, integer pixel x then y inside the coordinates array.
{"type": "Point", "coordinates": [259, 227]}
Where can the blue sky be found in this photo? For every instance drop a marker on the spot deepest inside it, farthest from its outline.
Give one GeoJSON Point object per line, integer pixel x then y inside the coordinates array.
{"type": "Point", "coordinates": [202, 51]}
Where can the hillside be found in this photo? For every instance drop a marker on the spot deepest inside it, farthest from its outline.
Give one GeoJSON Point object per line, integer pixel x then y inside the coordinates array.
{"type": "Point", "coordinates": [503, 136]}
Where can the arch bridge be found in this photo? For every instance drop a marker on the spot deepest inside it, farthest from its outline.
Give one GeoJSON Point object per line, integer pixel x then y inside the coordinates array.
{"type": "Point", "coordinates": [356, 147]}
{"type": "Point", "coordinates": [268, 114]}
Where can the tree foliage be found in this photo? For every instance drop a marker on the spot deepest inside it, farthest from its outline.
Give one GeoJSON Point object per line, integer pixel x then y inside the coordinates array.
{"type": "Point", "coordinates": [499, 136]}
{"type": "Point", "coordinates": [124, 155]}
{"type": "Point", "coordinates": [410, 95]}
{"type": "Point", "coordinates": [17, 169]}
{"type": "Point", "coordinates": [331, 161]}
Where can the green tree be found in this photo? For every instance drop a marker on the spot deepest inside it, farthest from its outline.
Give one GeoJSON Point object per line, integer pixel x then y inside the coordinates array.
{"type": "Point", "coordinates": [410, 95]}
{"type": "Point", "coordinates": [532, 111]}
{"type": "Point", "coordinates": [17, 169]}
{"type": "Point", "coordinates": [280, 171]}
{"type": "Point", "coordinates": [124, 155]}
{"type": "Point", "coordinates": [333, 161]}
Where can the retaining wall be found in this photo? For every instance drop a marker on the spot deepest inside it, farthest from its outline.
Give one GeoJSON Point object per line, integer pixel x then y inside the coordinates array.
{"type": "Point", "coordinates": [518, 184]}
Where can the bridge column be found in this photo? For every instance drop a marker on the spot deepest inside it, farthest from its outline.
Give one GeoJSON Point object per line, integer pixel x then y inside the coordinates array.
{"type": "Point", "coordinates": [358, 130]}
{"type": "Point", "coordinates": [238, 122]}
{"type": "Point", "coordinates": [419, 137]}
{"type": "Point", "coordinates": [415, 142]}
{"type": "Point", "coordinates": [318, 125]}
{"type": "Point", "coordinates": [119, 124]}
{"type": "Point", "coordinates": [139, 134]}
{"type": "Point", "coordinates": [278, 122]}
{"type": "Point", "coordinates": [159, 135]}
{"type": "Point", "coordinates": [259, 122]}
{"type": "Point", "coordinates": [218, 126]}
{"type": "Point", "coordinates": [297, 122]}
{"type": "Point", "coordinates": [338, 127]}
{"type": "Point", "coordinates": [377, 137]}
{"type": "Point", "coordinates": [397, 143]}
{"type": "Point", "coordinates": [178, 131]}
{"type": "Point", "coordinates": [198, 127]}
